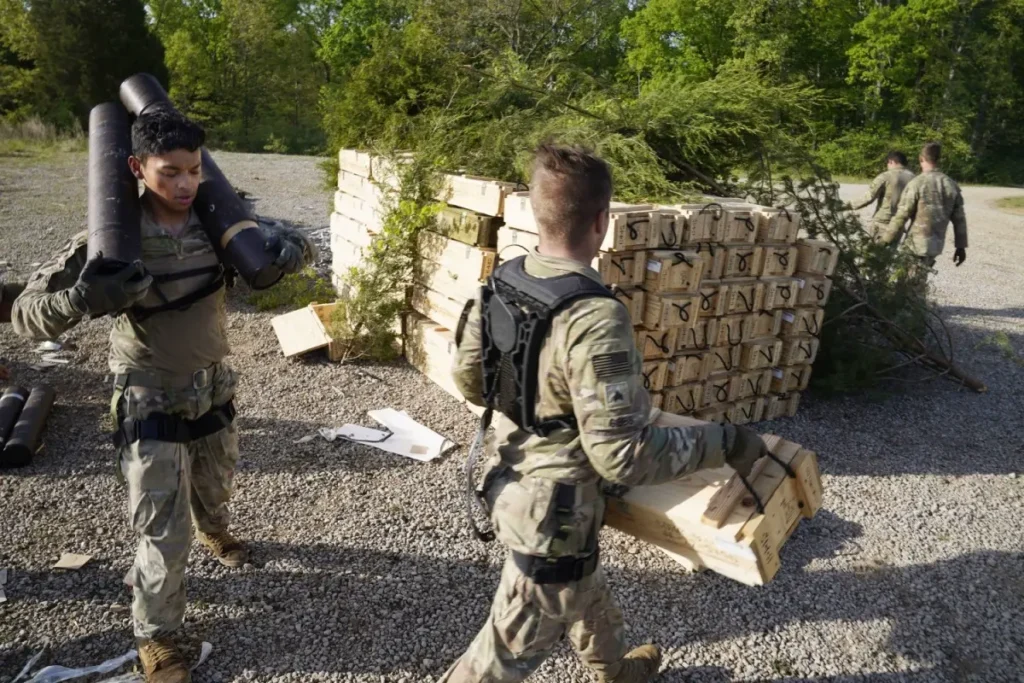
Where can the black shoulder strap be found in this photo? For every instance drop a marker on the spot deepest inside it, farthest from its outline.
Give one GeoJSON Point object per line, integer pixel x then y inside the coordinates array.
{"type": "Point", "coordinates": [141, 313]}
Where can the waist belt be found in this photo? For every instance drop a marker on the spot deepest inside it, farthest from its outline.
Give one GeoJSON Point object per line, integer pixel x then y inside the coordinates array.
{"type": "Point", "coordinates": [174, 429]}
{"type": "Point", "coordinates": [200, 379]}
{"type": "Point", "coordinates": [545, 570]}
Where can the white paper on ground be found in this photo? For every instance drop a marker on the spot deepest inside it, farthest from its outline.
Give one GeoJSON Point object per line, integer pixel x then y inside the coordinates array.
{"type": "Point", "coordinates": [56, 674]}
{"type": "Point", "coordinates": [72, 561]}
{"type": "Point", "coordinates": [404, 437]}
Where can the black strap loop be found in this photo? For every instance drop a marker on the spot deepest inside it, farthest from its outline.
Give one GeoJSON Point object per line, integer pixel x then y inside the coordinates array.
{"type": "Point", "coordinates": [683, 310]}
{"type": "Point", "coordinates": [545, 570]}
{"type": "Point", "coordinates": [173, 428]}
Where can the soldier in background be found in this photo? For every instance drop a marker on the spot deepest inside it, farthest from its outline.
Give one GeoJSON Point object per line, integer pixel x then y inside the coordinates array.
{"type": "Point", "coordinates": [593, 425]}
{"type": "Point", "coordinates": [885, 191]}
{"type": "Point", "coordinates": [930, 201]}
{"type": "Point", "coordinates": [173, 392]}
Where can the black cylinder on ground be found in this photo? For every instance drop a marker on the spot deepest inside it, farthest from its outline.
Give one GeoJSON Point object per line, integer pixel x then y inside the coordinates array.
{"type": "Point", "coordinates": [227, 221]}
{"type": "Point", "coordinates": [11, 403]}
{"type": "Point", "coordinates": [27, 435]}
{"type": "Point", "coordinates": [114, 209]}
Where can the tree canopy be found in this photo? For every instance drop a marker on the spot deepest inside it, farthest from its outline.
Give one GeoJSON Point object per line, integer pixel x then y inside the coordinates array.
{"type": "Point", "coordinates": [673, 91]}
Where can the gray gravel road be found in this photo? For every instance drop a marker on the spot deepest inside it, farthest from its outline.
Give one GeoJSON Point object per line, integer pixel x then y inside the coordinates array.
{"type": "Point", "coordinates": [363, 569]}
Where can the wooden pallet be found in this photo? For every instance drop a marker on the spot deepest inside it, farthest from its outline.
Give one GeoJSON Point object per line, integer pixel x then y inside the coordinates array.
{"type": "Point", "coordinates": [708, 520]}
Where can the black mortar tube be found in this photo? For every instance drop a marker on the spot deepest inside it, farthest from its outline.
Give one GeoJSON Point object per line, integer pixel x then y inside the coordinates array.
{"type": "Point", "coordinates": [27, 435]}
{"type": "Point", "coordinates": [11, 403]}
{"type": "Point", "coordinates": [114, 208]}
{"type": "Point", "coordinates": [227, 221]}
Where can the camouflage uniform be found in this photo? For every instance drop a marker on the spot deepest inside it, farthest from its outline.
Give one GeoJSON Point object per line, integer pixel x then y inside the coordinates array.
{"type": "Point", "coordinates": [931, 201]}
{"type": "Point", "coordinates": [170, 363]}
{"type": "Point", "coordinates": [885, 190]}
{"type": "Point", "coordinates": [590, 367]}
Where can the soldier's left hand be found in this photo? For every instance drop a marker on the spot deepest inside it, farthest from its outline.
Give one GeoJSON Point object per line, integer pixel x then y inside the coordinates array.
{"type": "Point", "coordinates": [959, 256]}
{"type": "Point", "coordinates": [289, 255]}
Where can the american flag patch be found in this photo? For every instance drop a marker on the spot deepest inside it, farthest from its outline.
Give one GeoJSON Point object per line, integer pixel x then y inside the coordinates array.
{"type": "Point", "coordinates": [611, 365]}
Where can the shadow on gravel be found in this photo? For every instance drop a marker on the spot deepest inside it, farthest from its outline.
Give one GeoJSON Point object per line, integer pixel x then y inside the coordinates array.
{"type": "Point", "coordinates": [328, 608]}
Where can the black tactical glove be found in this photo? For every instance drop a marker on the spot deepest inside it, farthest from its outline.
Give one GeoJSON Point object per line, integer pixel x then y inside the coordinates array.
{"type": "Point", "coordinates": [289, 255]}
{"type": "Point", "coordinates": [97, 293]}
{"type": "Point", "coordinates": [745, 447]}
{"type": "Point", "coordinates": [959, 256]}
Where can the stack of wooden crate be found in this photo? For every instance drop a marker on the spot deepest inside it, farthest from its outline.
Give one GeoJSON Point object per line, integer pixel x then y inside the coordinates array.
{"type": "Point", "coordinates": [357, 212]}
{"type": "Point", "coordinates": [733, 309]}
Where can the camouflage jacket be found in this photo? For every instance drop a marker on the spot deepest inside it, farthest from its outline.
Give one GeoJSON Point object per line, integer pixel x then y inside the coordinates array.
{"type": "Point", "coordinates": [885, 191]}
{"type": "Point", "coordinates": [930, 201]}
{"type": "Point", "coordinates": [589, 367]}
{"type": "Point", "coordinates": [173, 342]}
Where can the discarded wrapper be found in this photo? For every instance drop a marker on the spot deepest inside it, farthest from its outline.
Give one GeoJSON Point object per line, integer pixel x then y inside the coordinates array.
{"type": "Point", "coordinates": [403, 436]}
{"type": "Point", "coordinates": [72, 561]}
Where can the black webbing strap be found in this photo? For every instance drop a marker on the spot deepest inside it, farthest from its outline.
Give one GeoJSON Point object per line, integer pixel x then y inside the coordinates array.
{"type": "Point", "coordinates": [141, 313]}
{"type": "Point", "coordinates": [174, 429]}
{"type": "Point", "coordinates": [758, 504]}
{"type": "Point", "coordinates": [545, 570]}
{"type": "Point", "coordinates": [460, 328]}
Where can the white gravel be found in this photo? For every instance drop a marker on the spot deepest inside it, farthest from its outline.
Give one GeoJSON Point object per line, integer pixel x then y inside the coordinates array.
{"type": "Point", "coordinates": [363, 569]}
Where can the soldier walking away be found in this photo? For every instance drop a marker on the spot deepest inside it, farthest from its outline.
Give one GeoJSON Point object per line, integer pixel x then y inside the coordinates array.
{"type": "Point", "coordinates": [548, 347]}
{"type": "Point", "coordinates": [885, 191]}
{"type": "Point", "coordinates": [930, 201]}
{"type": "Point", "coordinates": [177, 443]}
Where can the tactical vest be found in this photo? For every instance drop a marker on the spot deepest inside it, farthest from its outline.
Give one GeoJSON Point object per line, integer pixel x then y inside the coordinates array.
{"type": "Point", "coordinates": [515, 317]}
{"type": "Point", "coordinates": [180, 282]}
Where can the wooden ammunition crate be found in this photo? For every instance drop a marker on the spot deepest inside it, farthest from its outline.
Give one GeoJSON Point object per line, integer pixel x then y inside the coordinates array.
{"type": "Point", "coordinates": [657, 400]}
{"type": "Point", "coordinates": [482, 195]}
{"type": "Point", "coordinates": [686, 368]}
{"type": "Point", "coordinates": [763, 324]}
{"type": "Point", "coordinates": [685, 399]}
{"type": "Point", "coordinates": [655, 372]}
{"type": "Point", "coordinates": [746, 411]}
{"type": "Point", "coordinates": [761, 353]}
{"type": "Point", "coordinates": [452, 284]}
{"type": "Point", "coordinates": [814, 290]}
{"type": "Point", "coordinates": [514, 243]}
{"type": "Point", "coordinates": [792, 378]}
{"type": "Point", "coordinates": [662, 311]}
{"type": "Point", "coordinates": [622, 268]}
{"type": "Point", "coordinates": [743, 261]}
{"type": "Point", "coordinates": [359, 186]}
{"type": "Point", "coordinates": [817, 257]}
{"type": "Point", "coordinates": [702, 336]}
{"type": "Point", "coordinates": [368, 213]}
{"type": "Point", "coordinates": [444, 310]}
{"type": "Point", "coordinates": [717, 413]}
{"type": "Point", "coordinates": [656, 344]}
{"type": "Point", "coordinates": [781, 405]}
{"type": "Point", "coordinates": [710, 520]}
{"type": "Point", "coordinates": [722, 359]}
{"type": "Point", "coordinates": [713, 299]}
{"type": "Point", "coordinates": [634, 300]}
{"type": "Point", "coordinates": [714, 256]}
{"type": "Point", "coordinates": [430, 348]}
{"type": "Point", "coordinates": [740, 224]}
{"type": "Point", "coordinates": [468, 262]}
{"type": "Point", "coordinates": [744, 296]}
{"type": "Point", "coordinates": [799, 350]}
{"type": "Point", "coordinates": [356, 162]}
{"type": "Point", "coordinates": [733, 330]}
{"type": "Point", "coordinates": [721, 388]}
{"type": "Point", "coordinates": [468, 227]}
{"type": "Point", "coordinates": [780, 292]}
{"type": "Point", "coordinates": [802, 321]}
{"type": "Point", "coordinates": [754, 383]}
{"type": "Point", "coordinates": [668, 230]}
{"type": "Point", "coordinates": [777, 225]}
{"type": "Point", "coordinates": [704, 222]}
{"type": "Point", "coordinates": [779, 261]}
{"type": "Point", "coordinates": [675, 272]}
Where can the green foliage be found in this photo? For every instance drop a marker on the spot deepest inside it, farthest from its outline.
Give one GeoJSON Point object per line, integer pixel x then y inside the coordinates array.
{"type": "Point", "coordinates": [294, 291]}
{"type": "Point", "coordinates": [33, 137]}
{"type": "Point", "coordinates": [1012, 204]}
{"type": "Point", "coordinates": [365, 321]}
{"type": "Point", "coordinates": [59, 58]}
{"type": "Point", "coordinates": [1001, 342]}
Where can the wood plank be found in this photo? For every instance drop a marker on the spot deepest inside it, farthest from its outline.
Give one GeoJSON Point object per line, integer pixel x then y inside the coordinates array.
{"type": "Point", "coordinates": [299, 332]}
{"type": "Point", "coordinates": [482, 195]}
{"type": "Point", "coordinates": [359, 186]}
{"type": "Point", "coordinates": [355, 161]}
{"type": "Point", "coordinates": [466, 261]}
{"type": "Point", "coordinates": [359, 210]}
{"type": "Point", "coordinates": [726, 498]}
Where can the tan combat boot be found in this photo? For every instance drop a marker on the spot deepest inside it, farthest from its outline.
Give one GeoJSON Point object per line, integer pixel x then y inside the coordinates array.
{"type": "Point", "coordinates": [162, 661]}
{"type": "Point", "coordinates": [638, 666]}
{"type": "Point", "coordinates": [226, 548]}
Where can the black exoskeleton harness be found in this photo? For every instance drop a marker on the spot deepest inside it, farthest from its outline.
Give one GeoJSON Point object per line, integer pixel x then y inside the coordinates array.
{"type": "Point", "coordinates": [515, 318]}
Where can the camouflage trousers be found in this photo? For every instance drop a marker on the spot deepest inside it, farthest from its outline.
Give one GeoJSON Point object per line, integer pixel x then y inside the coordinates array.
{"type": "Point", "coordinates": [170, 487]}
{"type": "Point", "coordinates": [528, 620]}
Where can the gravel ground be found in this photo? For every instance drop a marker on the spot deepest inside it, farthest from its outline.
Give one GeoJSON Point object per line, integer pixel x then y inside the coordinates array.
{"type": "Point", "coordinates": [363, 569]}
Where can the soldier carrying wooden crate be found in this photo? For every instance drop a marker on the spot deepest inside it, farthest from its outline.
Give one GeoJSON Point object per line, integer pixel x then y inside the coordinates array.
{"type": "Point", "coordinates": [549, 348]}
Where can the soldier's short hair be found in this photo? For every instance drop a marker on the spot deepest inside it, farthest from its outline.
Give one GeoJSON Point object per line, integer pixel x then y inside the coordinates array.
{"type": "Point", "coordinates": [932, 152]}
{"type": "Point", "coordinates": [898, 157]}
{"type": "Point", "coordinates": [569, 187]}
{"type": "Point", "coordinates": [164, 131]}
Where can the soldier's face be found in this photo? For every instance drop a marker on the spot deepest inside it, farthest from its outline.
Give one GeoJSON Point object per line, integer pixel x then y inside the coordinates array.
{"type": "Point", "coordinates": [173, 178]}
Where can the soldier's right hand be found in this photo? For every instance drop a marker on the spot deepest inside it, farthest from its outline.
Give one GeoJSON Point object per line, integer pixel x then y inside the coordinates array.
{"type": "Point", "coordinates": [746, 448]}
{"type": "Point", "coordinates": [98, 292]}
